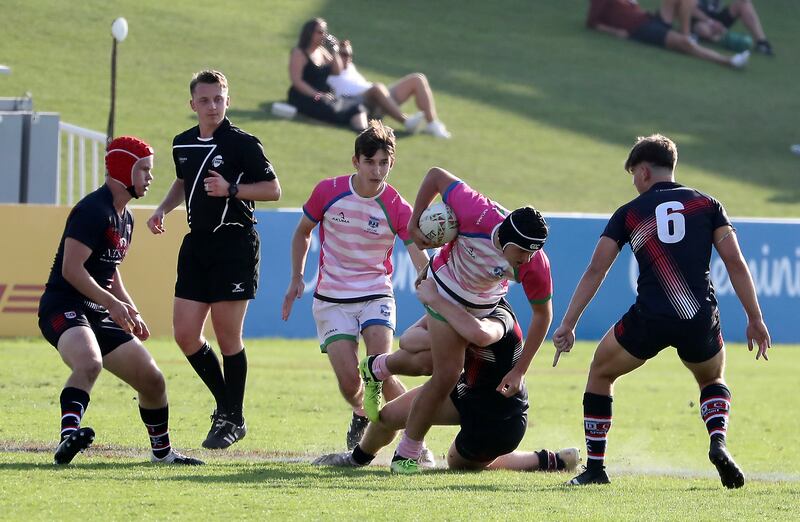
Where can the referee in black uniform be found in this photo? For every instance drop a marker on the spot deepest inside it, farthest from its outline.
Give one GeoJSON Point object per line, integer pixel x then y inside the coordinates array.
{"type": "Point", "coordinates": [221, 170]}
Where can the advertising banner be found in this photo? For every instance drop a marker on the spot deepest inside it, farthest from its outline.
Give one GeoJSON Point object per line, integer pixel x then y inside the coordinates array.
{"type": "Point", "coordinates": [771, 248]}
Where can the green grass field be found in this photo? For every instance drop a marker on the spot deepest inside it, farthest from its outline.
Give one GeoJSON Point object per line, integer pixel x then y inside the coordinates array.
{"type": "Point", "coordinates": [294, 413]}
{"type": "Point", "coordinates": [542, 110]}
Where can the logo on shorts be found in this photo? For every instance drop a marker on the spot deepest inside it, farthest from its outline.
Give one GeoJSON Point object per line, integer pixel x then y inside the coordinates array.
{"type": "Point", "coordinates": [182, 159]}
{"type": "Point", "coordinates": [70, 315]}
{"type": "Point", "coordinates": [470, 252]}
{"type": "Point", "coordinates": [217, 161]}
{"type": "Point", "coordinates": [237, 288]}
{"type": "Point", "coordinates": [498, 271]}
{"type": "Point", "coordinates": [386, 310]}
{"type": "Point", "coordinates": [340, 218]}
{"type": "Point", "coordinates": [330, 332]}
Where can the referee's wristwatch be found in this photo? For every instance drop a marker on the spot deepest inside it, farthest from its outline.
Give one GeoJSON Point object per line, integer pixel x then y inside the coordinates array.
{"type": "Point", "coordinates": [233, 189]}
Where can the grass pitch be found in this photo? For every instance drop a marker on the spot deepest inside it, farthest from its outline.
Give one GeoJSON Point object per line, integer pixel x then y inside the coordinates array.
{"type": "Point", "coordinates": [542, 110]}
{"type": "Point", "coordinates": [657, 449]}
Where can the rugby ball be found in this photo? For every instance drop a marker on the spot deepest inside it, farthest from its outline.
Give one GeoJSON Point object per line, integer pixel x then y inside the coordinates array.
{"type": "Point", "coordinates": [439, 224]}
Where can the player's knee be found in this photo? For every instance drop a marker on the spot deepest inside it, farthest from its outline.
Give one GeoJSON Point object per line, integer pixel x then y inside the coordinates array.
{"type": "Point", "coordinates": [349, 385]}
{"type": "Point", "coordinates": [155, 384]}
{"type": "Point", "coordinates": [420, 78]}
{"type": "Point", "coordinates": [415, 340]}
{"type": "Point", "coordinates": [601, 372]}
{"type": "Point", "coordinates": [89, 369]}
{"type": "Point", "coordinates": [444, 380]}
{"type": "Point", "coordinates": [230, 345]}
{"type": "Point", "coordinates": [188, 341]}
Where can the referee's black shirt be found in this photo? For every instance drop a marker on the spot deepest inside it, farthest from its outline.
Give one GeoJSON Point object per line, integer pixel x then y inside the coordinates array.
{"type": "Point", "coordinates": [235, 155]}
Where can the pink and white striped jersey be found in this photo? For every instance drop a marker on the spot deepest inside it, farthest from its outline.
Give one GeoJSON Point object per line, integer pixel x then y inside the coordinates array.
{"type": "Point", "coordinates": [357, 237]}
{"type": "Point", "coordinates": [472, 267]}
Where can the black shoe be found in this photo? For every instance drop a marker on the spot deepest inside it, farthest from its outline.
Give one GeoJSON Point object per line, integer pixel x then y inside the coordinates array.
{"type": "Point", "coordinates": [173, 457]}
{"type": "Point", "coordinates": [590, 476]}
{"type": "Point", "coordinates": [216, 419]}
{"type": "Point", "coordinates": [358, 425]}
{"type": "Point", "coordinates": [225, 433]}
{"type": "Point", "coordinates": [729, 473]}
{"type": "Point", "coordinates": [75, 442]}
{"type": "Point", "coordinates": [764, 48]}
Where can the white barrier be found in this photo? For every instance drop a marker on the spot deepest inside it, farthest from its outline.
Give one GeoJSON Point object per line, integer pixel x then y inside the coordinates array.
{"type": "Point", "coordinates": [97, 141]}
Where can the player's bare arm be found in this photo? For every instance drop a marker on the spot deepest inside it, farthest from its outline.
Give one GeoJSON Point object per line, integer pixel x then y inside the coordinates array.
{"type": "Point", "coordinates": [728, 248]}
{"type": "Point", "coordinates": [119, 291]}
{"type": "Point", "coordinates": [173, 198]}
{"type": "Point", "coordinates": [418, 257]}
{"type": "Point", "coordinates": [540, 322]}
{"type": "Point", "coordinates": [74, 271]}
{"type": "Point", "coordinates": [605, 253]}
{"type": "Point", "coordinates": [480, 332]}
{"type": "Point", "coordinates": [217, 186]}
{"type": "Point", "coordinates": [301, 241]}
{"type": "Point", "coordinates": [435, 182]}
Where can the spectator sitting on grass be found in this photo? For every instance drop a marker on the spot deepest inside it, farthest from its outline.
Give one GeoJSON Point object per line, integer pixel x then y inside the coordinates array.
{"type": "Point", "coordinates": [351, 84]}
{"type": "Point", "coordinates": [626, 19]}
{"type": "Point", "coordinates": [310, 64]}
{"type": "Point", "coordinates": [711, 21]}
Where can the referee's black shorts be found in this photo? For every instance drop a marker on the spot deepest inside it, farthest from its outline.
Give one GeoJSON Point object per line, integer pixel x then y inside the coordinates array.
{"type": "Point", "coordinates": [697, 339]}
{"type": "Point", "coordinates": [218, 266]}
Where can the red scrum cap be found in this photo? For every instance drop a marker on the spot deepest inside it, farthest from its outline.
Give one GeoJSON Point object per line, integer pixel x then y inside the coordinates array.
{"type": "Point", "coordinates": [121, 156]}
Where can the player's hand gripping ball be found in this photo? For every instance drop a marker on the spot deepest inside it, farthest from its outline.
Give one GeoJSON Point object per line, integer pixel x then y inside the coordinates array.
{"type": "Point", "coordinates": [439, 224]}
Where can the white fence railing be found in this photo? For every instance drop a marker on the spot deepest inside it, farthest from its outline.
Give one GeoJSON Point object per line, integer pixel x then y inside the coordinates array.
{"type": "Point", "coordinates": [79, 140]}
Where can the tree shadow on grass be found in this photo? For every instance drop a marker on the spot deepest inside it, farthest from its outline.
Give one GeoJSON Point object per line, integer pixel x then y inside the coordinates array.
{"type": "Point", "coordinates": [264, 113]}
{"type": "Point", "coordinates": [538, 61]}
{"type": "Point", "coordinates": [49, 467]}
{"type": "Point", "coordinates": [363, 479]}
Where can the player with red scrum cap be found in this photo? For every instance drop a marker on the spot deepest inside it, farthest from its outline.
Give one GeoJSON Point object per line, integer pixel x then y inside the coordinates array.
{"type": "Point", "coordinates": [87, 314]}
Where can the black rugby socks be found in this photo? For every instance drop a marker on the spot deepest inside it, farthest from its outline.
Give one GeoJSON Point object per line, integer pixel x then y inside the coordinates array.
{"type": "Point", "coordinates": [596, 424]}
{"type": "Point", "coordinates": [206, 365]}
{"type": "Point", "coordinates": [235, 378]}
{"type": "Point", "coordinates": [74, 402]}
{"type": "Point", "coordinates": [157, 424]}
{"type": "Point", "coordinates": [715, 406]}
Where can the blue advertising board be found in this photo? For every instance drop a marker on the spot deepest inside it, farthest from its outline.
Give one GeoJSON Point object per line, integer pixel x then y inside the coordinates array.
{"type": "Point", "coordinates": [770, 247]}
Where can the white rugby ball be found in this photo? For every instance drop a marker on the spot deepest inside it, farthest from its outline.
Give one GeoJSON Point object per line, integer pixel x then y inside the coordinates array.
{"type": "Point", "coordinates": [439, 224]}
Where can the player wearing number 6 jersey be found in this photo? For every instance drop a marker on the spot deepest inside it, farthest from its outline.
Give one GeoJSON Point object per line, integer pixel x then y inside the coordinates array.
{"type": "Point", "coordinates": [671, 229]}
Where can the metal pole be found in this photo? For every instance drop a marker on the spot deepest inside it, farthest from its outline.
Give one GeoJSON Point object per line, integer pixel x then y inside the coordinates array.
{"type": "Point", "coordinates": [110, 131]}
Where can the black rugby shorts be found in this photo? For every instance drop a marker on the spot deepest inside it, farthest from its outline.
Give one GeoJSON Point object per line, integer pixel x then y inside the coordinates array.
{"type": "Point", "coordinates": [697, 339]}
{"type": "Point", "coordinates": [56, 316]}
{"type": "Point", "coordinates": [219, 266]}
{"type": "Point", "coordinates": [483, 436]}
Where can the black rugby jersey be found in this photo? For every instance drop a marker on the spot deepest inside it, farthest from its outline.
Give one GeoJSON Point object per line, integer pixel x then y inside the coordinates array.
{"type": "Point", "coordinates": [485, 367]}
{"type": "Point", "coordinates": [237, 156]}
{"type": "Point", "coordinates": [95, 223]}
{"type": "Point", "coordinates": [671, 231]}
